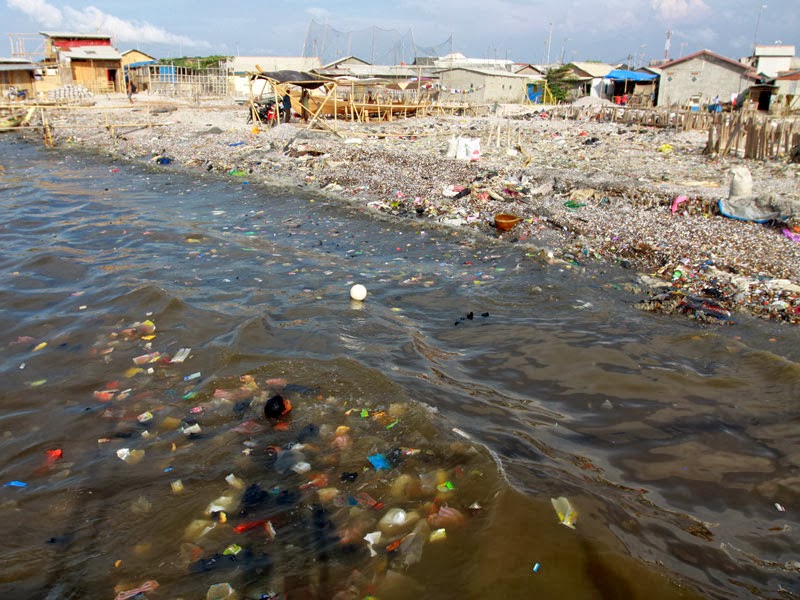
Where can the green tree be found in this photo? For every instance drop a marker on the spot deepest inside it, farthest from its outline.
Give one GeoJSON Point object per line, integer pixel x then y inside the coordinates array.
{"type": "Point", "coordinates": [559, 80]}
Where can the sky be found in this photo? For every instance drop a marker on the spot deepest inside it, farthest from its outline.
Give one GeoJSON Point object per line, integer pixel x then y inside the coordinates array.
{"type": "Point", "coordinates": [527, 31]}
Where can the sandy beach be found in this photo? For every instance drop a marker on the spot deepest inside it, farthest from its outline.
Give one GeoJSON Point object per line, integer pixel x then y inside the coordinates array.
{"type": "Point", "coordinates": [584, 191]}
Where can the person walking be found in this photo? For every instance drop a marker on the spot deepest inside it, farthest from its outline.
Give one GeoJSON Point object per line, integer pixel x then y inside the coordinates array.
{"type": "Point", "coordinates": [131, 88]}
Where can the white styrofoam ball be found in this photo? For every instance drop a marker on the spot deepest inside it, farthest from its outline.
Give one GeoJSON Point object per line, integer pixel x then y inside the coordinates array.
{"type": "Point", "coordinates": [358, 292]}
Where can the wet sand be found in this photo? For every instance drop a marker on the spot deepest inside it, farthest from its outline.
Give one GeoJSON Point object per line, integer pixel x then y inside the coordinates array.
{"type": "Point", "coordinates": [584, 191]}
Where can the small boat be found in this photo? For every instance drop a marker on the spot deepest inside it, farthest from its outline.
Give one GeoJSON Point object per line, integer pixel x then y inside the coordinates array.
{"type": "Point", "coordinates": [16, 120]}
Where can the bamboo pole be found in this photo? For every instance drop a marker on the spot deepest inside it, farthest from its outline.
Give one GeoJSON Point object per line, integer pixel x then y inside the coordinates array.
{"type": "Point", "coordinates": [46, 131]}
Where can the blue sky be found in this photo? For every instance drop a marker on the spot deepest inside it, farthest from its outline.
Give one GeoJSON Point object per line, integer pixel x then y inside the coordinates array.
{"type": "Point", "coordinates": [608, 30]}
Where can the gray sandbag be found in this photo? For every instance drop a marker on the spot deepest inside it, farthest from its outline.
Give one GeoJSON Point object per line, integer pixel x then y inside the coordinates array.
{"type": "Point", "coordinates": [742, 204]}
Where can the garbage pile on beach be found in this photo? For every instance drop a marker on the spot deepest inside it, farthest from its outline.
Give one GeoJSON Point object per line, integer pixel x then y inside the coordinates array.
{"type": "Point", "coordinates": [584, 191]}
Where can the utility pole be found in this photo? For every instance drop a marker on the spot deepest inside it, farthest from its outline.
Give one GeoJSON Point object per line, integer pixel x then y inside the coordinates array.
{"type": "Point", "coordinates": [758, 22]}
{"type": "Point", "coordinates": [549, 39]}
{"type": "Point", "coordinates": [563, 49]}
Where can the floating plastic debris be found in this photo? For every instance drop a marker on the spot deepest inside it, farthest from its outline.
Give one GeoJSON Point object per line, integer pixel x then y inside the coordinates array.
{"type": "Point", "coordinates": [566, 514]}
{"type": "Point", "coordinates": [181, 355]}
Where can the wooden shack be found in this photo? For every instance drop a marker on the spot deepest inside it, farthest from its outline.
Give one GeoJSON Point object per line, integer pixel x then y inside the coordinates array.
{"type": "Point", "coordinates": [17, 79]}
{"type": "Point", "coordinates": [83, 59]}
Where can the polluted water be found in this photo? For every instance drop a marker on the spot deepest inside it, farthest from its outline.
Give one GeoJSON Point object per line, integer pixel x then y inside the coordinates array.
{"type": "Point", "coordinates": [199, 401]}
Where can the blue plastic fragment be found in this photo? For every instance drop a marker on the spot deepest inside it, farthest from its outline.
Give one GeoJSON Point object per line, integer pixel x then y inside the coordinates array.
{"type": "Point", "coordinates": [16, 484]}
{"type": "Point", "coordinates": [536, 567]}
{"type": "Point", "coordinates": [379, 462]}
{"type": "Point", "coordinates": [236, 144]}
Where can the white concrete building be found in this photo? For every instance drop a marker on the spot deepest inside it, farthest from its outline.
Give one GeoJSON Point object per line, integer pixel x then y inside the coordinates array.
{"type": "Point", "coordinates": [771, 60]}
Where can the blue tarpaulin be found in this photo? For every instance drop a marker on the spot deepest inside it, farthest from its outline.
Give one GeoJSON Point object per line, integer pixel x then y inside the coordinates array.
{"type": "Point", "coordinates": [623, 75]}
{"type": "Point", "coordinates": [535, 93]}
{"type": "Point", "coordinates": [141, 63]}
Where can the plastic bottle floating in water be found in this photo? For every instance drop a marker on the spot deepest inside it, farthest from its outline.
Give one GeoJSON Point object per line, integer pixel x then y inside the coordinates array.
{"type": "Point", "coordinates": [566, 514]}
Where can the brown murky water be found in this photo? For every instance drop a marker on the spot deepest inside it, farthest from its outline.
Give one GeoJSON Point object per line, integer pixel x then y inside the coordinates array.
{"type": "Point", "coordinates": [486, 381]}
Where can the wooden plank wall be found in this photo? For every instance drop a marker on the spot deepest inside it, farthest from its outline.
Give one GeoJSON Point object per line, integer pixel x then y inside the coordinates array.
{"type": "Point", "coordinates": [753, 135]}
{"type": "Point", "coordinates": [746, 134]}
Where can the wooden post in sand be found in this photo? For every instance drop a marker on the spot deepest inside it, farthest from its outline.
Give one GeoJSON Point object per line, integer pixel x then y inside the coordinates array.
{"type": "Point", "coordinates": [46, 131]}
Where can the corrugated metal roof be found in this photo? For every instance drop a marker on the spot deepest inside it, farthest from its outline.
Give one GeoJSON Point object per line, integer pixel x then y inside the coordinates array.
{"type": "Point", "coordinates": [593, 69]}
{"type": "Point", "coordinates": [18, 61]}
{"type": "Point", "coordinates": [459, 60]}
{"type": "Point", "coordinates": [93, 53]}
{"type": "Point", "coordinates": [5, 68]}
{"type": "Point", "coordinates": [74, 35]}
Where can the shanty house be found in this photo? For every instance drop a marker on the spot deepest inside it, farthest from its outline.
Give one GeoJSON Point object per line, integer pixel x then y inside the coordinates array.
{"type": "Point", "coordinates": [136, 68]}
{"type": "Point", "coordinates": [534, 72]}
{"type": "Point", "coordinates": [482, 86]}
{"type": "Point", "coordinates": [700, 77]}
{"type": "Point", "coordinates": [344, 62]}
{"type": "Point", "coordinates": [354, 70]}
{"type": "Point", "coordinates": [17, 79]}
{"type": "Point", "coordinates": [136, 56]}
{"type": "Point", "coordinates": [587, 79]}
{"type": "Point", "coordinates": [632, 88]}
{"type": "Point", "coordinates": [771, 60]}
{"type": "Point", "coordinates": [85, 59]}
{"type": "Point", "coordinates": [788, 91]}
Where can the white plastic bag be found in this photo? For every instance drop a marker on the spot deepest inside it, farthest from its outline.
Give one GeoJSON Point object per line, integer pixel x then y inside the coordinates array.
{"type": "Point", "coordinates": [473, 149]}
{"type": "Point", "coordinates": [468, 148]}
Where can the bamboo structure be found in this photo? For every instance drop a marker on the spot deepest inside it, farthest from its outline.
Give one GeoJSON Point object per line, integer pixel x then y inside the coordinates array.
{"type": "Point", "coordinates": [46, 111]}
{"type": "Point", "coordinates": [683, 120]}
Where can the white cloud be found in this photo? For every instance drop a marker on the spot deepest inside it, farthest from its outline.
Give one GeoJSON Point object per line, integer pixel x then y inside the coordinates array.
{"type": "Point", "coordinates": [92, 19]}
{"type": "Point", "coordinates": [317, 13]}
{"type": "Point", "coordinates": [40, 11]}
{"type": "Point", "coordinates": [679, 10]}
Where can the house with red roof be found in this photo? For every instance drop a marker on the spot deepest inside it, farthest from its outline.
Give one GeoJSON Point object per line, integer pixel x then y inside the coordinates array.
{"type": "Point", "coordinates": [701, 77]}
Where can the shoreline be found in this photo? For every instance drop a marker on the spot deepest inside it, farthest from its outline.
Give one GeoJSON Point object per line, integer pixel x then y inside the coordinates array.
{"type": "Point", "coordinates": [585, 191]}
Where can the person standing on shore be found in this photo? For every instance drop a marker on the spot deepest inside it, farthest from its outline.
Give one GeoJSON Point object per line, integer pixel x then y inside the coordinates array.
{"type": "Point", "coordinates": [304, 105]}
{"type": "Point", "coordinates": [131, 89]}
{"type": "Point", "coordinates": [287, 108]}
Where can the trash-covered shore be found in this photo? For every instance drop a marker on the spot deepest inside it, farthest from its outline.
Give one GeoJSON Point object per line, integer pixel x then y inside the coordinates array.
{"type": "Point", "coordinates": [581, 191]}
